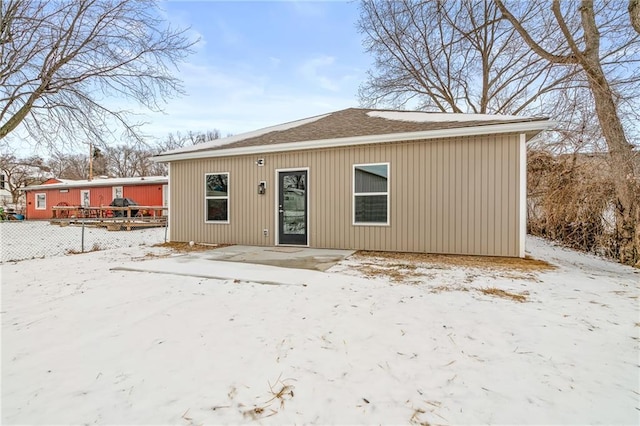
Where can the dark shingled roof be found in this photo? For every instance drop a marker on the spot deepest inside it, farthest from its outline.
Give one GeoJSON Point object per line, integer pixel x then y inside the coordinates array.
{"type": "Point", "coordinates": [347, 123]}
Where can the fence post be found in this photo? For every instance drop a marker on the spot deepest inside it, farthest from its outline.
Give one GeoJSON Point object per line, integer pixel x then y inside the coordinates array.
{"type": "Point", "coordinates": [82, 238]}
{"type": "Point", "coordinates": [166, 227]}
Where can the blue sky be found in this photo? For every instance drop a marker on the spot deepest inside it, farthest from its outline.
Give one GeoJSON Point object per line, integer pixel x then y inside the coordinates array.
{"type": "Point", "coordinates": [263, 63]}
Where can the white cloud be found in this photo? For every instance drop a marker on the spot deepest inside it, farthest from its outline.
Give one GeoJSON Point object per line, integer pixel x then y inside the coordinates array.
{"type": "Point", "coordinates": [238, 99]}
{"type": "Point", "coordinates": [274, 62]}
{"type": "Point", "coordinates": [310, 9]}
{"type": "Point", "coordinates": [227, 34]}
{"type": "Point", "coordinates": [311, 71]}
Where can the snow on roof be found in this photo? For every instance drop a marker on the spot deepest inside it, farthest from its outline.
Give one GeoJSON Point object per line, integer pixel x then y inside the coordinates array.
{"type": "Point", "coordinates": [439, 117]}
{"type": "Point", "coordinates": [69, 183]}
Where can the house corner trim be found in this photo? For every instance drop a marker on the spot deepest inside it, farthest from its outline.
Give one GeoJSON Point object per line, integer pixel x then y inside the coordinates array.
{"type": "Point", "coordinates": [523, 196]}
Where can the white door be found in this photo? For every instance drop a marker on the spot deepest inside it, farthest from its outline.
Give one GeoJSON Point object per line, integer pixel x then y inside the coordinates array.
{"type": "Point", "coordinates": [85, 198]}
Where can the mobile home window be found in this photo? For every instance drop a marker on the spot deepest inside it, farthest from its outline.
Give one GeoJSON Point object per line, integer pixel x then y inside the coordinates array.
{"type": "Point", "coordinates": [217, 197]}
{"type": "Point", "coordinates": [371, 194]}
{"type": "Point", "coordinates": [41, 201]}
{"type": "Point", "coordinates": [117, 192]}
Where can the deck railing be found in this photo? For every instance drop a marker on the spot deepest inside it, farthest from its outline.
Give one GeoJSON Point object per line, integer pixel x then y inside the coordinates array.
{"type": "Point", "coordinates": [113, 218]}
{"type": "Point", "coordinates": [106, 211]}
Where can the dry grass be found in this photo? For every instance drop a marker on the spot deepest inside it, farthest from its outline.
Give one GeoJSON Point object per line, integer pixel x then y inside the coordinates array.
{"type": "Point", "coordinates": [186, 247]}
{"type": "Point", "coordinates": [259, 413]}
{"type": "Point", "coordinates": [280, 391]}
{"type": "Point", "coordinates": [445, 260]}
{"type": "Point", "coordinates": [403, 267]}
{"type": "Point", "coordinates": [94, 247]}
{"type": "Point", "coordinates": [441, 288]}
{"type": "Point", "coordinates": [415, 418]}
{"type": "Point", "coordinates": [155, 255]}
{"type": "Point", "coordinates": [395, 272]}
{"type": "Point", "coordinates": [492, 291]}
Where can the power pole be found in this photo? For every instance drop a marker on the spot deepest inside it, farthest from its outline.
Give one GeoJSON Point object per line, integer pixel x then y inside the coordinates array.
{"type": "Point", "coordinates": [90, 161]}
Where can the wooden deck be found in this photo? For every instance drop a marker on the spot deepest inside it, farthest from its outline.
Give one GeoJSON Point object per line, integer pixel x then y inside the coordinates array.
{"type": "Point", "coordinates": [70, 212]}
{"type": "Point", "coordinates": [110, 217]}
{"type": "Point", "coordinates": [113, 224]}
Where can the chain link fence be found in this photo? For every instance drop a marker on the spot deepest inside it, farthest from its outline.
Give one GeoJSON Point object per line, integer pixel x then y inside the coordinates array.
{"type": "Point", "coordinates": [20, 240]}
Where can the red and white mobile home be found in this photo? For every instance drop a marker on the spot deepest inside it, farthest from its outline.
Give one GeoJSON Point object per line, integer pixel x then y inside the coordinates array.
{"type": "Point", "coordinates": [146, 191]}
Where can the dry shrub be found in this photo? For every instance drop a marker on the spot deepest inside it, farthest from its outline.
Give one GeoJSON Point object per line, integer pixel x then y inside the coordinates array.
{"type": "Point", "coordinates": [571, 200]}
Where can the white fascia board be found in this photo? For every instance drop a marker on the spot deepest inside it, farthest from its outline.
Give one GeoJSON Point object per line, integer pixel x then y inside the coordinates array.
{"type": "Point", "coordinates": [99, 183]}
{"type": "Point", "coordinates": [521, 127]}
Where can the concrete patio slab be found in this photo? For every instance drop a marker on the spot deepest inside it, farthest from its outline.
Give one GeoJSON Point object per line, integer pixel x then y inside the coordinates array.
{"type": "Point", "coordinates": [266, 265]}
{"type": "Point", "coordinates": [286, 257]}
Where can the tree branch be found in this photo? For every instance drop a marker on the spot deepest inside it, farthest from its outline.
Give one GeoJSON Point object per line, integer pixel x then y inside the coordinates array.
{"type": "Point", "coordinates": [558, 59]}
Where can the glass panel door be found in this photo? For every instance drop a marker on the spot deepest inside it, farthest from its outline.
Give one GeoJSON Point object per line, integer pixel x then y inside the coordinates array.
{"type": "Point", "coordinates": [292, 207]}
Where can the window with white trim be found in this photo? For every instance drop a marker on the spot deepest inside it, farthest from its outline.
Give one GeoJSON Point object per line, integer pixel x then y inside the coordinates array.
{"type": "Point", "coordinates": [371, 194]}
{"type": "Point", "coordinates": [41, 201]}
{"type": "Point", "coordinates": [117, 192]}
{"type": "Point", "coordinates": [217, 197]}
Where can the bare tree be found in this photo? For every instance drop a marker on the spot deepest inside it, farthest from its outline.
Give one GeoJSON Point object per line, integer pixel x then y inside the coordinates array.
{"type": "Point", "coordinates": [60, 61]}
{"type": "Point", "coordinates": [64, 166]}
{"type": "Point", "coordinates": [21, 172]}
{"type": "Point", "coordinates": [178, 140]}
{"type": "Point", "coordinates": [124, 160]}
{"type": "Point", "coordinates": [453, 56]}
{"type": "Point", "coordinates": [112, 161]}
{"type": "Point", "coordinates": [572, 37]}
{"type": "Point", "coordinates": [465, 57]}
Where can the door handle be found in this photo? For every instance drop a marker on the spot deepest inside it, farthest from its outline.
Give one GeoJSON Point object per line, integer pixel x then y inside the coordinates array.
{"type": "Point", "coordinates": [280, 211]}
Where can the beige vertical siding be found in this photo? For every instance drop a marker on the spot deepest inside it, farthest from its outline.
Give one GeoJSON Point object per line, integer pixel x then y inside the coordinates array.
{"type": "Point", "coordinates": [446, 196]}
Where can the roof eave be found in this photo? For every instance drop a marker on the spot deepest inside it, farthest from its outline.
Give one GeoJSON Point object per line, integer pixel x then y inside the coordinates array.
{"type": "Point", "coordinates": [528, 127]}
{"type": "Point", "coordinates": [92, 184]}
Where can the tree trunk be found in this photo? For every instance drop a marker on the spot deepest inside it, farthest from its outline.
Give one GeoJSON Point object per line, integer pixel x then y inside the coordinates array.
{"type": "Point", "coordinates": [621, 167]}
{"type": "Point", "coordinates": [634, 14]}
{"type": "Point", "coordinates": [620, 159]}
{"type": "Point", "coordinates": [620, 150]}
{"type": "Point", "coordinates": [637, 265]}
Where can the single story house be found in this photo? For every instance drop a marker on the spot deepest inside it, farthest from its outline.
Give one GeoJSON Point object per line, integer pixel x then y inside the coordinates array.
{"type": "Point", "coordinates": [146, 191]}
{"type": "Point", "coordinates": [5, 194]}
{"type": "Point", "coordinates": [360, 179]}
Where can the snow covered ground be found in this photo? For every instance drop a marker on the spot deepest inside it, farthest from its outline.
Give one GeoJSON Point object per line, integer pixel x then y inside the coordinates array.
{"type": "Point", "coordinates": [21, 240]}
{"type": "Point", "coordinates": [433, 343]}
